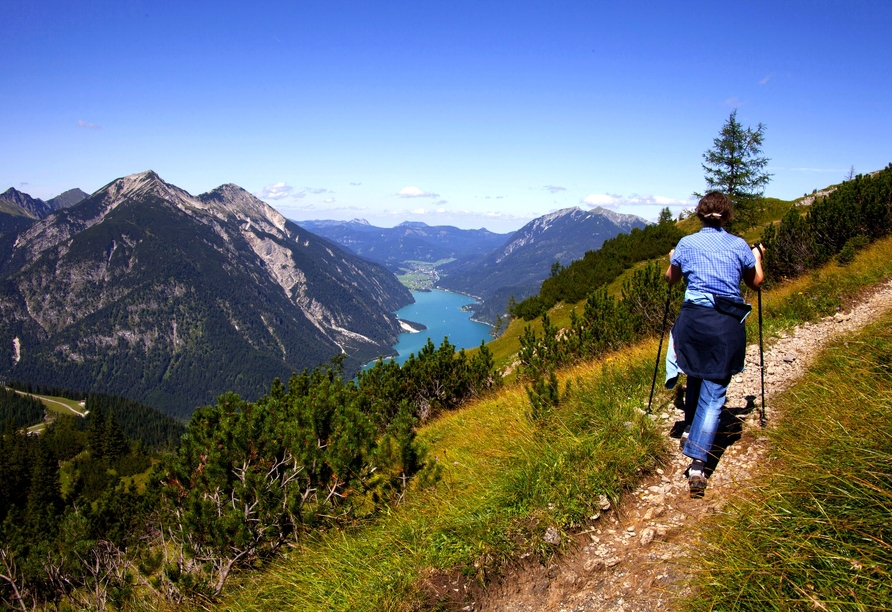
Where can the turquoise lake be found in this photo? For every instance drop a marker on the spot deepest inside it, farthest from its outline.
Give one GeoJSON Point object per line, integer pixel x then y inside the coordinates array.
{"type": "Point", "coordinates": [441, 312]}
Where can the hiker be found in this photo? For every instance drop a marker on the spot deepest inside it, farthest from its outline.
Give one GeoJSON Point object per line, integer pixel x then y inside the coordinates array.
{"type": "Point", "coordinates": [708, 340]}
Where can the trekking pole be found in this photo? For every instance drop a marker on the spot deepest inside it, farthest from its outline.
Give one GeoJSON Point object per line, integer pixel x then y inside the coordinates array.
{"type": "Point", "coordinates": [761, 360]}
{"type": "Point", "coordinates": [761, 345]}
{"type": "Point", "coordinates": [653, 383]}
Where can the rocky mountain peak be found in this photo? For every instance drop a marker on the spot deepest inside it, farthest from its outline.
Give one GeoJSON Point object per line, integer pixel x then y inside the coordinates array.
{"type": "Point", "coordinates": [17, 201]}
{"type": "Point", "coordinates": [230, 200]}
{"type": "Point", "coordinates": [624, 221]}
{"type": "Point", "coordinates": [138, 186]}
{"type": "Point", "coordinates": [67, 199]}
{"type": "Point", "coordinates": [545, 221]}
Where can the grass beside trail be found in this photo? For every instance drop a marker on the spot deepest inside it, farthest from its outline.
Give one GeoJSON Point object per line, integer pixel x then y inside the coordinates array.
{"type": "Point", "coordinates": [816, 533]}
{"type": "Point", "coordinates": [504, 481]}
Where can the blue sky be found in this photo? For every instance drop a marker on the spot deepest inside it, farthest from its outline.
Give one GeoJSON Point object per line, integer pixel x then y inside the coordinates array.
{"type": "Point", "coordinates": [475, 114]}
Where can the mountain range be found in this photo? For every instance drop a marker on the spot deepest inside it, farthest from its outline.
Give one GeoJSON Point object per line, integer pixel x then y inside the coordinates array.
{"type": "Point", "coordinates": [408, 241]}
{"type": "Point", "coordinates": [518, 267]}
{"type": "Point", "coordinates": [490, 267]}
{"type": "Point", "coordinates": [144, 290]}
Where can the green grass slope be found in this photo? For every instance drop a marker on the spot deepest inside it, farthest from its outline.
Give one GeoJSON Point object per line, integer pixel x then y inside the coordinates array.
{"type": "Point", "coordinates": [503, 482]}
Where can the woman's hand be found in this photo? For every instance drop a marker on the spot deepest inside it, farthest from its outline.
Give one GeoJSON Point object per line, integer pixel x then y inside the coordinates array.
{"type": "Point", "coordinates": [759, 252]}
{"type": "Point", "coordinates": [754, 276]}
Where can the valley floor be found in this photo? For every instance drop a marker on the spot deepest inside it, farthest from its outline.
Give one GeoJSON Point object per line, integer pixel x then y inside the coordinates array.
{"type": "Point", "coordinates": [635, 558]}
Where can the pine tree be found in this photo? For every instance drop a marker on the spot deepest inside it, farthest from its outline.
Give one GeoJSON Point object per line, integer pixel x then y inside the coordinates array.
{"type": "Point", "coordinates": [735, 166]}
{"type": "Point", "coordinates": [96, 434]}
{"type": "Point", "coordinates": [44, 497]}
{"type": "Point", "coordinates": [114, 443]}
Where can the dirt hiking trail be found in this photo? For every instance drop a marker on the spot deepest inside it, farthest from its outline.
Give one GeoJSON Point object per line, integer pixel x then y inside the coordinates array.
{"type": "Point", "coordinates": [633, 558]}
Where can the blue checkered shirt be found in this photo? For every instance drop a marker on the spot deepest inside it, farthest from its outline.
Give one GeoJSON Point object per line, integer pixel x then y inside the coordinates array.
{"type": "Point", "coordinates": [713, 261]}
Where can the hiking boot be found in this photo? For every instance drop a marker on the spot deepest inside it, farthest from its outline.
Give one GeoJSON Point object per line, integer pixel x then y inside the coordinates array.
{"type": "Point", "coordinates": [696, 482]}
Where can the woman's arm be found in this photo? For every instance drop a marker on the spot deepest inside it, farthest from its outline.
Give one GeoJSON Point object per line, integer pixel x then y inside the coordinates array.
{"type": "Point", "coordinates": [754, 276]}
{"type": "Point", "coordinates": [673, 272]}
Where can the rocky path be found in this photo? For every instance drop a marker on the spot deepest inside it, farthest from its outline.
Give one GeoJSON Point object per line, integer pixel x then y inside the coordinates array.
{"type": "Point", "coordinates": [633, 557]}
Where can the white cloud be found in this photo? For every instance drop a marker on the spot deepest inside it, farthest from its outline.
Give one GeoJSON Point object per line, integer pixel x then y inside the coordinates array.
{"type": "Point", "coordinates": [318, 191]}
{"type": "Point", "coordinates": [328, 200]}
{"type": "Point", "coordinates": [356, 184]}
{"type": "Point", "coordinates": [554, 188]}
{"type": "Point", "coordinates": [766, 79]}
{"type": "Point", "coordinates": [276, 191]}
{"type": "Point", "coordinates": [606, 200]}
{"type": "Point", "coordinates": [415, 192]}
{"type": "Point", "coordinates": [87, 124]}
{"type": "Point", "coordinates": [611, 200]}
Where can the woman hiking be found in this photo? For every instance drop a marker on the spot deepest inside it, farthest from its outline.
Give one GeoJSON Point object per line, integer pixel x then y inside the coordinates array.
{"type": "Point", "coordinates": [708, 340]}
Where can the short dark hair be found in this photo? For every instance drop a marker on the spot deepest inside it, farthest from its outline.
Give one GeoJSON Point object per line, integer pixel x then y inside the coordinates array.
{"type": "Point", "coordinates": [715, 209]}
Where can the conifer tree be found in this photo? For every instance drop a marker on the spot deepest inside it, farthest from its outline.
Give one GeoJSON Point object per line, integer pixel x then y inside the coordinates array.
{"type": "Point", "coordinates": [44, 496]}
{"type": "Point", "coordinates": [736, 167]}
{"type": "Point", "coordinates": [114, 443]}
{"type": "Point", "coordinates": [96, 434]}
{"type": "Point", "coordinates": [16, 452]}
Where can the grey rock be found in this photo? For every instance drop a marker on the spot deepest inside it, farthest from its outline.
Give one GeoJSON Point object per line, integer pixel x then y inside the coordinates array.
{"type": "Point", "coordinates": [552, 536]}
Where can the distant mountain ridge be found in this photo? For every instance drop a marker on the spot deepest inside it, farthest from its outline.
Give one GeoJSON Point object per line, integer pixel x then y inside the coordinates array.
{"type": "Point", "coordinates": [35, 208]}
{"type": "Point", "coordinates": [69, 198]}
{"type": "Point", "coordinates": [19, 210]}
{"type": "Point", "coordinates": [146, 291]}
{"type": "Point", "coordinates": [410, 240]}
{"type": "Point", "coordinates": [518, 267]}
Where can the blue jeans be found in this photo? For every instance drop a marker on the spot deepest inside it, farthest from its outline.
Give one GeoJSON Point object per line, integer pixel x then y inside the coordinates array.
{"type": "Point", "coordinates": [711, 398]}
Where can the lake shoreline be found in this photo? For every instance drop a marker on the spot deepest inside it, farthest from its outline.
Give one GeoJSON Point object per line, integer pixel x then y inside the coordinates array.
{"type": "Point", "coordinates": [441, 313]}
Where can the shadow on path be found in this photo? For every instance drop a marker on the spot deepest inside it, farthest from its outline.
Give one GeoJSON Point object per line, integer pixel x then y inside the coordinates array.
{"type": "Point", "coordinates": [730, 430]}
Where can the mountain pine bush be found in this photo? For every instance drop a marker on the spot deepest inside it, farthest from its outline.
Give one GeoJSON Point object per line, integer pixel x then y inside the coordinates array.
{"type": "Point", "coordinates": [855, 213]}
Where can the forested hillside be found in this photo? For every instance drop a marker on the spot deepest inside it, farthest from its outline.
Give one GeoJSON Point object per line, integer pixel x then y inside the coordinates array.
{"type": "Point", "coordinates": [144, 424]}
{"type": "Point", "coordinates": [836, 225]}
{"type": "Point", "coordinates": [19, 410]}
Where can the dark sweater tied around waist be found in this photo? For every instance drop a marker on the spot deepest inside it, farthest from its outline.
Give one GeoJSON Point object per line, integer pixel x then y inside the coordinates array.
{"type": "Point", "coordinates": [709, 342]}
